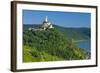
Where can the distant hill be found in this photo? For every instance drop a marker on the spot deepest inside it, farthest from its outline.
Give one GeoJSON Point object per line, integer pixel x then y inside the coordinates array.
{"type": "Point", "coordinates": [71, 33]}
{"type": "Point", "coordinates": [49, 45]}
{"type": "Point", "coordinates": [75, 33]}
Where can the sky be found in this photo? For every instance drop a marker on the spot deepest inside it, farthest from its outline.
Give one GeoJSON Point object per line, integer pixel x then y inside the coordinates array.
{"type": "Point", "coordinates": [64, 19]}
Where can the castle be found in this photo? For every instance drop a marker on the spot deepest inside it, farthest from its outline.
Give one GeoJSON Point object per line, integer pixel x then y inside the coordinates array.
{"type": "Point", "coordinates": [45, 25]}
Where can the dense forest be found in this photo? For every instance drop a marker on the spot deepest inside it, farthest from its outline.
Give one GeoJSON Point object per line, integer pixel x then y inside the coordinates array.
{"type": "Point", "coordinates": [81, 33]}
{"type": "Point", "coordinates": [53, 44]}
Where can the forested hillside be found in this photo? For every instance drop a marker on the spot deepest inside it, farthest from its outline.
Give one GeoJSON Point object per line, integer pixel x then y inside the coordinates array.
{"type": "Point", "coordinates": [49, 45]}
{"type": "Point", "coordinates": [81, 33]}
{"type": "Point", "coordinates": [71, 33]}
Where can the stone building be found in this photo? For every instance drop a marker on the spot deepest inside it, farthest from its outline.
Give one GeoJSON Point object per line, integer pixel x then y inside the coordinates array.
{"type": "Point", "coordinates": [46, 24]}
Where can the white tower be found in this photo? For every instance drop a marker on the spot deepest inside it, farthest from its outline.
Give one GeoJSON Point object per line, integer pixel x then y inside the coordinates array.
{"type": "Point", "coordinates": [46, 24]}
{"type": "Point", "coordinates": [46, 19]}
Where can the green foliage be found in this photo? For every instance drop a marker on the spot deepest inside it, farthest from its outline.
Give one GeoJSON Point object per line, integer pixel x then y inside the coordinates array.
{"type": "Point", "coordinates": [32, 55]}
{"type": "Point", "coordinates": [71, 33]}
{"type": "Point", "coordinates": [49, 45]}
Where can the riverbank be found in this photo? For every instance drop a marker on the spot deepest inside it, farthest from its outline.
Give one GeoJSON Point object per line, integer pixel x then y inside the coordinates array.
{"type": "Point", "coordinates": [84, 44]}
{"type": "Point", "coordinates": [76, 41]}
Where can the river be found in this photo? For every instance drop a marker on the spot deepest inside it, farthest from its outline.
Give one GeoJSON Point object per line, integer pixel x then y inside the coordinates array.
{"type": "Point", "coordinates": [84, 44]}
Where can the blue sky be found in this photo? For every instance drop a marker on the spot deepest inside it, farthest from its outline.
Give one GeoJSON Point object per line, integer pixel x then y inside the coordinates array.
{"type": "Point", "coordinates": [65, 19]}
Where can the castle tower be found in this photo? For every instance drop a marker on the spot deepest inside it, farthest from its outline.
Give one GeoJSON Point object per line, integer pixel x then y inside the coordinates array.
{"type": "Point", "coordinates": [46, 24]}
{"type": "Point", "coordinates": [46, 19]}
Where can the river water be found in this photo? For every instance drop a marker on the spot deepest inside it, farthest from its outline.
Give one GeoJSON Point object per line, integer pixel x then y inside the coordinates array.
{"type": "Point", "coordinates": [84, 44]}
